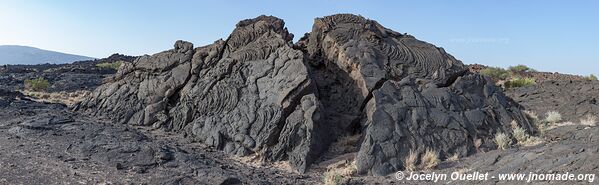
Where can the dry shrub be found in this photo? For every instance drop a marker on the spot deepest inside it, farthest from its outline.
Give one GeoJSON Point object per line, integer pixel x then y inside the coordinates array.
{"type": "Point", "coordinates": [519, 134]}
{"type": "Point", "coordinates": [410, 161]}
{"type": "Point", "coordinates": [502, 140]}
{"type": "Point", "coordinates": [590, 120]}
{"type": "Point", "coordinates": [430, 159]}
{"type": "Point", "coordinates": [553, 117]}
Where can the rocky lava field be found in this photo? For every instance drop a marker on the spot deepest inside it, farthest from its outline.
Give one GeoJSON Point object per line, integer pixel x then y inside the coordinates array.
{"type": "Point", "coordinates": [258, 109]}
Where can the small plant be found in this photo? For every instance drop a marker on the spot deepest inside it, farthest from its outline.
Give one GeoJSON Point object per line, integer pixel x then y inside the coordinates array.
{"type": "Point", "coordinates": [591, 77]}
{"type": "Point", "coordinates": [521, 68]}
{"type": "Point", "coordinates": [111, 65]}
{"type": "Point", "coordinates": [410, 161]}
{"type": "Point", "coordinates": [590, 120]}
{"type": "Point", "coordinates": [553, 117]}
{"type": "Point", "coordinates": [495, 73]}
{"type": "Point", "coordinates": [38, 84]}
{"type": "Point", "coordinates": [430, 159]}
{"type": "Point", "coordinates": [520, 82]}
{"type": "Point", "coordinates": [502, 140]}
{"type": "Point", "coordinates": [520, 134]}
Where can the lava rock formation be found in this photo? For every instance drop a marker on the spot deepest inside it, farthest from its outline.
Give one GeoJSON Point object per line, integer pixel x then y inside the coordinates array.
{"type": "Point", "coordinates": [258, 93]}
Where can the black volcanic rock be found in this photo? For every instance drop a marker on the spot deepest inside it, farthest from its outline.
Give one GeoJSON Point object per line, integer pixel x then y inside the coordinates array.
{"type": "Point", "coordinates": [573, 99]}
{"type": "Point", "coordinates": [257, 93]}
{"type": "Point", "coordinates": [80, 75]}
{"type": "Point", "coordinates": [407, 94]}
{"type": "Point", "coordinates": [7, 96]}
{"type": "Point", "coordinates": [237, 95]}
{"type": "Point", "coordinates": [53, 145]}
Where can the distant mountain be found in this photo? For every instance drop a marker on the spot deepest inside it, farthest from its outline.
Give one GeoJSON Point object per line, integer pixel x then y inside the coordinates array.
{"type": "Point", "coordinates": [11, 54]}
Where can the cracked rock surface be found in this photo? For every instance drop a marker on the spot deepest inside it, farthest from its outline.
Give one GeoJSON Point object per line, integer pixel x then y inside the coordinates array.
{"type": "Point", "coordinates": [579, 100]}
{"type": "Point", "coordinates": [49, 144]}
{"type": "Point", "coordinates": [257, 93]}
{"type": "Point", "coordinates": [412, 94]}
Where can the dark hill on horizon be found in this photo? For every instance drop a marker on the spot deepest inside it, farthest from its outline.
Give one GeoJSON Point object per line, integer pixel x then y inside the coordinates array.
{"type": "Point", "coordinates": [13, 54]}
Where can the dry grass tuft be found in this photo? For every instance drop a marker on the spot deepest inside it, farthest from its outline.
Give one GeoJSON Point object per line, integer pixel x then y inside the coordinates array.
{"type": "Point", "coordinates": [524, 139]}
{"type": "Point", "coordinates": [502, 140]}
{"type": "Point", "coordinates": [520, 134]}
{"type": "Point", "coordinates": [410, 161]}
{"type": "Point", "coordinates": [553, 117]}
{"type": "Point", "coordinates": [590, 120]}
{"type": "Point", "coordinates": [430, 159]}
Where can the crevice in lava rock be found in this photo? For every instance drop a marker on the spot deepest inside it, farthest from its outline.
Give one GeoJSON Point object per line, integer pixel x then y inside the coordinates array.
{"type": "Point", "coordinates": [377, 86]}
{"type": "Point", "coordinates": [453, 78]}
{"type": "Point", "coordinates": [299, 91]}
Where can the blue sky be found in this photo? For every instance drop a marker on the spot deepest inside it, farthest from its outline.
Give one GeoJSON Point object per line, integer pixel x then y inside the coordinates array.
{"type": "Point", "coordinates": [548, 35]}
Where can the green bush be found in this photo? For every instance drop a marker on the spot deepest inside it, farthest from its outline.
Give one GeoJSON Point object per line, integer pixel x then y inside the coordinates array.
{"type": "Point", "coordinates": [591, 77]}
{"type": "Point", "coordinates": [495, 73]}
{"type": "Point", "coordinates": [520, 82]}
{"type": "Point", "coordinates": [521, 68]}
{"type": "Point", "coordinates": [38, 84]}
{"type": "Point", "coordinates": [111, 65]}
